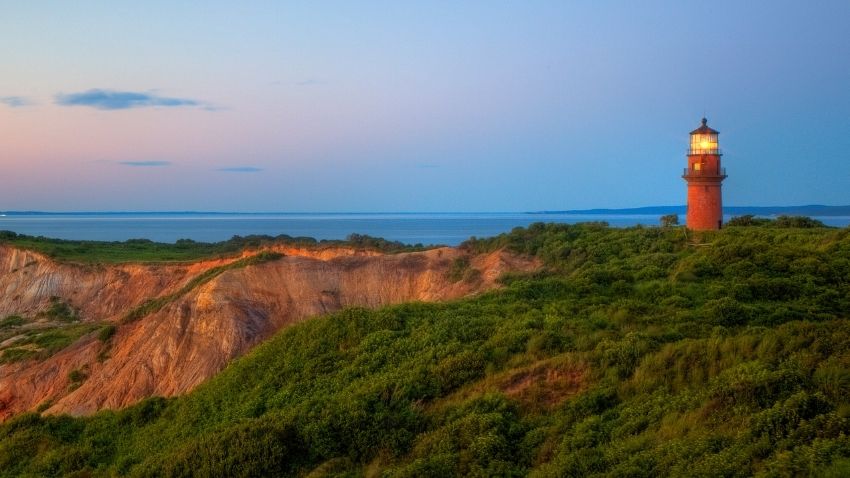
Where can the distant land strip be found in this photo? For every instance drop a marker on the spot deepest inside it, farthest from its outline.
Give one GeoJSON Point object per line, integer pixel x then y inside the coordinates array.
{"type": "Point", "coordinates": [808, 210]}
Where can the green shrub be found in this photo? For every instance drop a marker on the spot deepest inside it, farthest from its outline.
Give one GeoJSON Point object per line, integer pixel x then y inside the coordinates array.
{"type": "Point", "coordinates": [264, 447]}
{"type": "Point", "coordinates": [106, 332]}
{"type": "Point", "coordinates": [12, 321]}
{"type": "Point", "coordinates": [797, 221]}
{"type": "Point", "coordinates": [726, 311]}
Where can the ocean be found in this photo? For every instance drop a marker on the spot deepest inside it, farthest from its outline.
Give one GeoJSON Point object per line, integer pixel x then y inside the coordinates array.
{"type": "Point", "coordinates": [410, 228]}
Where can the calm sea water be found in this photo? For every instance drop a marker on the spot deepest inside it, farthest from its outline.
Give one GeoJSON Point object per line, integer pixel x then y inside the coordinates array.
{"type": "Point", "coordinates": [410, 228]}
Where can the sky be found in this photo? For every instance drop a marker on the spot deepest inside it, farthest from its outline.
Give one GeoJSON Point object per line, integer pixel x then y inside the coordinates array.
{"type": "Point", "coordinates": [417, 106]}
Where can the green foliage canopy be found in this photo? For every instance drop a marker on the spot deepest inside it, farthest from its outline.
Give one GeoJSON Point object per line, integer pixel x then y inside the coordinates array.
{"type": "Point", "coordinates": [636, 352]}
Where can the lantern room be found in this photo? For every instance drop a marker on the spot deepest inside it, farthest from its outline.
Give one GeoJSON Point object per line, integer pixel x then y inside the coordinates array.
{"type": "Point", "coordinates": [704, 140]}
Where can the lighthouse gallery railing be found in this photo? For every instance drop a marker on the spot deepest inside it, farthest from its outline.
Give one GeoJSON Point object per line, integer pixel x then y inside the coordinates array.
{"type": "Point", "coordinates": [704, 172]}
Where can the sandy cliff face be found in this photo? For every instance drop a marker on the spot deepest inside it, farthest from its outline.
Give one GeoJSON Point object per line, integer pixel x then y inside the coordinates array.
{"type": "Point", "coordinates": [175, 348]}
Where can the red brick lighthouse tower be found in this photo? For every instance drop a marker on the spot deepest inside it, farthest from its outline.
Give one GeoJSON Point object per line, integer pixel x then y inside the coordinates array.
{"type": "Point", "coordinates": [704, 175]}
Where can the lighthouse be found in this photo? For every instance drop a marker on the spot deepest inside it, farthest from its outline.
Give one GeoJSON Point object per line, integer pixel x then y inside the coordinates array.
{"type": "Point", "coordinates": [704, 176]}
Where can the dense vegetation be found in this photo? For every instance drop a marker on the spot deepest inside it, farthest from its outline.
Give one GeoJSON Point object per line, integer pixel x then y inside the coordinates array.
{"type": "Point", "coordinates": [781, 221]}
{"type": "Point", "coordinates": [144, 250]}
{"type": "Point", "coordinates": [637, 352]}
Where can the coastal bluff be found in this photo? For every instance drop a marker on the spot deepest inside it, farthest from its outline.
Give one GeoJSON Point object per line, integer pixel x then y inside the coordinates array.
{"type": "Point", "coordinates": [162, 329]}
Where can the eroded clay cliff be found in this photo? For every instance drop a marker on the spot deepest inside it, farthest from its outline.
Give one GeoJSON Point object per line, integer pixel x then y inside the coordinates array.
{"type": "Point", "coordinates": [194, 335]}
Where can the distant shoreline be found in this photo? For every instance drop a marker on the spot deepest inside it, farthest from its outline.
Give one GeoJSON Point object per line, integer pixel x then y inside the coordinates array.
{"type": "Point", "coordinates": [407, 228]}
{"type": "Point", "coordinates": [805, 210]}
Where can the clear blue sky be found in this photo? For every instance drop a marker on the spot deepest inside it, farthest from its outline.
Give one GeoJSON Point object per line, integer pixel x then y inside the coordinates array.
{"type": "Point", "coordinates": [433, 106]}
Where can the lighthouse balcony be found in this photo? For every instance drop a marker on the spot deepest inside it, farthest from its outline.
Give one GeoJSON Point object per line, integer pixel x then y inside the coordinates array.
{"type": "Point", "coordinates": [700, 151]}
{"type": "Point", "coordinates": [704, 173]}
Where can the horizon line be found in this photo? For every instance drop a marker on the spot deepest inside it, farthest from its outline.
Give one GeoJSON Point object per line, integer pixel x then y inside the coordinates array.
{"type": "Point", "coordinates": [542, 211]}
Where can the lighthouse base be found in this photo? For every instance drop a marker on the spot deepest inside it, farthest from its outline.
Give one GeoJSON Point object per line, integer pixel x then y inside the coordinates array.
{"type": "Point", "coordinates": [705, 207]}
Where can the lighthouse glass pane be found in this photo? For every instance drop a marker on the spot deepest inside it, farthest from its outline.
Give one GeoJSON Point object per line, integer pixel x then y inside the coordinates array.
{"type": "Point", "coordinates": [704, 142]}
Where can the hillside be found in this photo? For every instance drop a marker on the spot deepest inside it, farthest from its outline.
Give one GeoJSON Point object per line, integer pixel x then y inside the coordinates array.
{"type": "Point", "coordinates": [80, 337]}
{"type": "Point", "coordinates": [635, 352]}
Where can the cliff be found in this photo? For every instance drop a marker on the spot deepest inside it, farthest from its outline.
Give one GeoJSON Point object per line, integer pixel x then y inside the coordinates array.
{"type": "Point", "coordinates": [162, 329]}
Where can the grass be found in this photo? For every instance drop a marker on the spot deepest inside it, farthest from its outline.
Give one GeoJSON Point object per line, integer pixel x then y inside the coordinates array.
{"type": "Point", "coordinates": [106, 333]}
{"type": "Point", "coordinates": [635, 353]}
{"type": "Point", "coordinates": [183, 250]}
{"type": "Point", "coordinates": [12, 321]}
{"type": "Point", "coordinates": [45, 334]}
{"type": "Point", "coordinates": [59, 311]}
{"type": "Point", "coordinates": [76, 378]}
{"type": "Point", "coordinates": [42, 342]}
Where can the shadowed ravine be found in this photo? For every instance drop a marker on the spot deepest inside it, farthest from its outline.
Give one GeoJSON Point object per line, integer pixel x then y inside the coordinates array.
{"type": "Point", "coordinates": [162, 329]}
